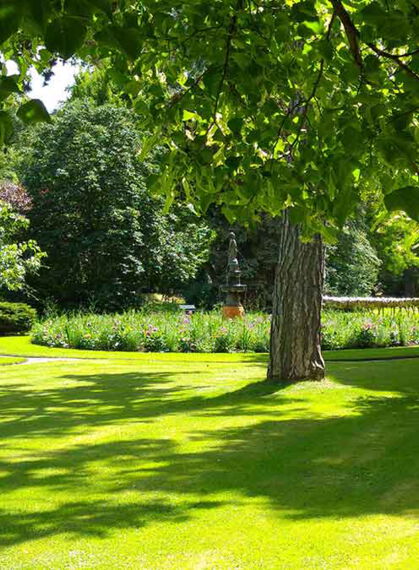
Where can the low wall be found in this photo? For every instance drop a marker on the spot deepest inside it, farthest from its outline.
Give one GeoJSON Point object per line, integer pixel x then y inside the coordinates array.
{"type": "Point", "coordinates": [351, 303]}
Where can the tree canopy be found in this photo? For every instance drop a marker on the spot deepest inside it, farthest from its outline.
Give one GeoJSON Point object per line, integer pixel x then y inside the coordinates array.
{"type": "Point", "coordinates": [106, 237]}
{"type": "Point", "coordinates": [263, 105]}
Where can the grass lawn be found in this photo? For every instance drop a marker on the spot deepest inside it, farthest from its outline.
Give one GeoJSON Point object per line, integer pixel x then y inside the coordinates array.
{"type": "Point", "coordinates": [22, 346]}
{"type": "Point", "coordinates": [194, 462]}
{"type": "Point", "coordinates": [11, 360]}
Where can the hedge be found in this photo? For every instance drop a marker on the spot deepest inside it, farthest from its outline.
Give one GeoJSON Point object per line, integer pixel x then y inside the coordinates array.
{"type": "Point", "coordinates": [16, 318]}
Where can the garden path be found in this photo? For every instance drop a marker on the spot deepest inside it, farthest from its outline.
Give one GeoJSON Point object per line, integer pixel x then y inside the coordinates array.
{"type": "Point", "coordinates": [38, 359]}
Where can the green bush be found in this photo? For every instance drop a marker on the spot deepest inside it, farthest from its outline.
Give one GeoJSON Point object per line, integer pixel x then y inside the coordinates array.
{"type": "Point", "coordinates": [16, 318]}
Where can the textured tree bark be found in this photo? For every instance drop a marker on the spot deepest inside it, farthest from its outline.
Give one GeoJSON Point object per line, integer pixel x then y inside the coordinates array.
{"type": "Point", "coordinates": [295, 352]}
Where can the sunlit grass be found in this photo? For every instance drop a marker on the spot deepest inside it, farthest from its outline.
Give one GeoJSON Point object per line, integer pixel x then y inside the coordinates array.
{"type": "Point", "coordinates": [11, 360]}
{"type": "Point", "coordinates": [22, 346]}
{"type": "Point", "coordinates": [196, 462]}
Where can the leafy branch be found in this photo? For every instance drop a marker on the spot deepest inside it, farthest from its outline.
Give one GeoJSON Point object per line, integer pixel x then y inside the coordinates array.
{"type": "Point", "coordinates": [181, 94]}
{"type": "Point", "coordinates": [351, 32]}
{"type": "Point", "coordinates": [396, 58]}
{"type": "Point", "coordinates": [353, 35]}
{"type": "Point", "coordinates": [314, 88]}
{"type": "Point", "coordinates": [232, 28]}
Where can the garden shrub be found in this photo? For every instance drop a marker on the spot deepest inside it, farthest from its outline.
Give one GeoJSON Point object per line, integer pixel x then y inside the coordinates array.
{"type": "Point", "coordinates": [16, 318]}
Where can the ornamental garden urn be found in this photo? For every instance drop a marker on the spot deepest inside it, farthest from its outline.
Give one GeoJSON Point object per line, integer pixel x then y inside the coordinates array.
{"type": "Point", "coordinates": [233, 288]}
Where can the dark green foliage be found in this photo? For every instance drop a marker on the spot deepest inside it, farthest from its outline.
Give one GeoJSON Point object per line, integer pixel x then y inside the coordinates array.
{"type": "Point", "coordinates": [352, 264]}
{"type": "Point", "coordinates": [107, 239]}
{"type": "Point", "coordinates": [396, 240]}
{"type": "Point", "coordinates": [203, 291]}
{"type": "Point", "coordinates": [16, 318]}
{"type": "Point", "coordinates": [34, 111]}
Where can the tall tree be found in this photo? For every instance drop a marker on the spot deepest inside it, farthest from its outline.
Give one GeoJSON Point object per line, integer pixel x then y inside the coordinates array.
{"type": "Point", "coordinates": [108, 240]}
{"type": "Point", "coordinates": [295, 106]}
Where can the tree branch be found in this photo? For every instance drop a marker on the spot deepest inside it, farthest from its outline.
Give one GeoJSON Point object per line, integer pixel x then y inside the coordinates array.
{"type": "Point", "coordinates": [395, 58]}
{"type": "Point", "coordinates": [181, 94]}
{"type": "Point", "coordinates": [353, 38]}
{"type": "Point", "coordinates": [351, 32]}
{"type": "Point", "coordinates": [310, 97]}
{"type": "Point", "coordinates": [230, 34]}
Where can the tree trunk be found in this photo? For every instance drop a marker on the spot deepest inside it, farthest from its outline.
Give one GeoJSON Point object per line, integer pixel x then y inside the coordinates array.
{"type": "Point", "coordinates": [295, 352]}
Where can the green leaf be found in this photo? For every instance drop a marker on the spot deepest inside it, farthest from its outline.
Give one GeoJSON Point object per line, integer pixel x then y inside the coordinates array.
{"type": "Point", "coordinates": [130, 40]}
{"type": "Point", "coordinates": [304, 10]}
{"type": "Point", "coordinates": [374, 14]}
{"type": "Point", "coordinates": [189, 115]}
{"type": "Point", "coordinates": [103, 5]}
{"type": "Point", "coordinates": [405, 199]}
{"type": "Point", "coordinates": [10, 15]}
{"type": "Point", "coordinates": [344, 202]}
{"type": "Point", "coordinates": [325, 49]}
{"type": "Point", "coordinates": [65, 35]}
{"type": "Point", "coordinates": [33, 111]}
{"type": "Point", "coordinates": [233, 162]}
{"type": "Point", "coordinates": [235, 124]}
{"type": "Point", "coordinates": [6, 127]}
{"type": "Point", "coordinates": [81, 8]}
{"type": "Point", "coordinates": [9, 85]}
{"type": "Point", "coordinates": [205, 200]}
{"type": "Point", "coordinates": [38, 12]}
{"type": "Point", "coordinates": [168, 202]}
{"type": "Point", "coordinates": [212, 79]}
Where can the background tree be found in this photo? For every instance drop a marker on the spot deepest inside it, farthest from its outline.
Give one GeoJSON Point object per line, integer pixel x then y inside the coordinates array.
{"type": "Point", "coordinates": [107, 239]}
{"type": "Point", "coordinates": [396, 239]}
{"type": "Point", "coordinates": [96, 85]}
{"type": "Point", "coordinates": [18, 258]}
{"type": "Point", "coordinates": [352, 263]}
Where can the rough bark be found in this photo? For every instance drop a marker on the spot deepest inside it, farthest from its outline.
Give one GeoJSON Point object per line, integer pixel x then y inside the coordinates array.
{"type": "Point", "coordinates": [295, 352]}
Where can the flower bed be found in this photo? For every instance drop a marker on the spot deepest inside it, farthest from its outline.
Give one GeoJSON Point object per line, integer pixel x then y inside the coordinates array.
{"type": "Point", "coordinates": [208, 332]}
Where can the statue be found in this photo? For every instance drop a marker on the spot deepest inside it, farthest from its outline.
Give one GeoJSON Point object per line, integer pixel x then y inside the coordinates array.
{"type": "Point", "coordinates": [232, 249]}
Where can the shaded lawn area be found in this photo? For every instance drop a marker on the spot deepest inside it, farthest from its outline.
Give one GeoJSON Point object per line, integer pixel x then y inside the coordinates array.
{"type": "Point", "coordinates": [196, 464]}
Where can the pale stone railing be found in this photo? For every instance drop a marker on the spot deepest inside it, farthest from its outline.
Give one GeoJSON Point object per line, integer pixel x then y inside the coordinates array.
{"type": "Point", "coordinates": [350, 303]}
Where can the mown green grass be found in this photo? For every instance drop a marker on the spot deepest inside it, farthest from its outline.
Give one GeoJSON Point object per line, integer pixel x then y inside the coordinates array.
{"type": "Point", "coordinates": [22, 346]}
{"type": "Point", "coordinates": [199, 464]}
{"type": "Point", "coordinates": [11, 360]}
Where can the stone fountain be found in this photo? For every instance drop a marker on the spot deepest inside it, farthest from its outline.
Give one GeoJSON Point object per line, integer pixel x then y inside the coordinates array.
{"type": "Point", "coordinates": [233, 288]}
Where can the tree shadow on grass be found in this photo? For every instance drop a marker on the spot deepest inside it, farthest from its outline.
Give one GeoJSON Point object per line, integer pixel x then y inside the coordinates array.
{"type": "Point", "coordinates": [92, 518]}
{"type": "Point", "coordinates": [106, 398]}
{"type": "Point", "coordinates": [362, 463]}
